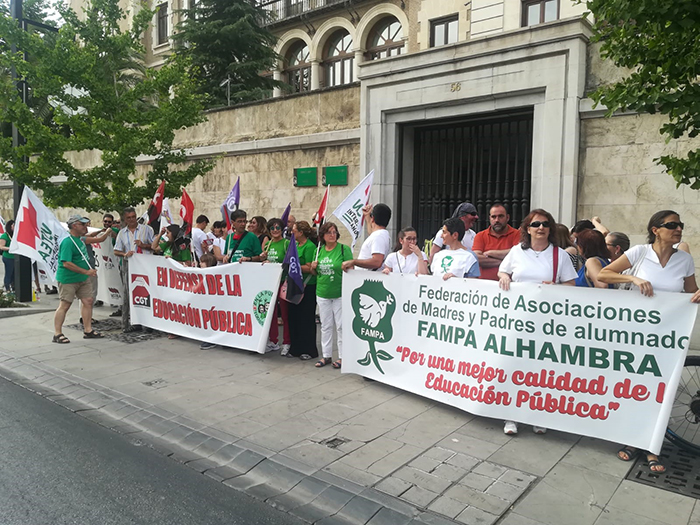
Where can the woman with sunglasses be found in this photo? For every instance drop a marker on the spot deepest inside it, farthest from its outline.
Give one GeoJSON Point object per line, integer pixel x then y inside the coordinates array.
{"type": "Point", "coordinates": [274, 251]}
{"type": "Point", "coordinates": [657, 266]}
{"type": "Point", "coordinates": [537, 259]}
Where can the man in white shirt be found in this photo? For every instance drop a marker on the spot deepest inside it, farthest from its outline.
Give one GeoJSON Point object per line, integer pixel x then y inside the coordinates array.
{"type": "Point", "coordinates": [467, 212]}
{"type": "Point", "coordinates": [378, 245]}
{"type": "Point", "coordinates": [198, 235]}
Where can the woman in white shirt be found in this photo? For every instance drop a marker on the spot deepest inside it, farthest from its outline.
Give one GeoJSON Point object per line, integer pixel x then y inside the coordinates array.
{"type": "Point", "coordinates": [408, 258]}
{"type": "Point", "coordinates": [655, 266]}
{"type": "Point", "coordinates": [537, 259]}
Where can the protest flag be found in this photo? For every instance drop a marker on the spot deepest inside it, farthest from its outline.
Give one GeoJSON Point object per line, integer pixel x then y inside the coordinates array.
{"type": "Point", "coordinates": [152, 215]}
{"type": "Point", "coordinates": [166, 217]}
{"type": "Point", "coordinates": [186, 213]}
{"type": "Point", "coordinates": [293, 287]}
{"type": "Point", "coordinates": [2, 225]}
{"type": "Point", "coordinates": [320, 216]}
{"type": "Point", "coordinates": [38, 234]}
{"type": "Point", "coordinates": [349, 212]}
{"type": "Point", "coordinates": [285, 214]}
{"type": "Point", "coordinates": [232, 203]}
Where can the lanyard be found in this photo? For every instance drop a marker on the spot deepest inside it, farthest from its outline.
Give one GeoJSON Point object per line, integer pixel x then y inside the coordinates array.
{"type": "Point", "coordinates": [79, 250]}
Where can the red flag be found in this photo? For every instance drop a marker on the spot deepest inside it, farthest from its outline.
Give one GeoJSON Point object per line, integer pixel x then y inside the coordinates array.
{"type": "Point", "coordinates": [186, 213]}
{"type": "Point", "coordinates": [156, 207]}
{"type": "Point", "coordinates": [323, 209]}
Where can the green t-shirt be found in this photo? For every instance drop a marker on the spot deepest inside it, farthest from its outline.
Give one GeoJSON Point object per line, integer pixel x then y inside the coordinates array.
{"type": "Point", "coordinates": [182, 255]}
{"type": "Point", "coordinates": [6, 254]}
{"type": "Point", "coordinates": [330, 271]}
{"type": "Point", "coordinates": [249, 246]}
{"type": "Point", "coordinates": [277, 250]}
{"type": "Point", "coordinates": [73, 250]}
{"type": "Point", "coordinates": [307, 255]}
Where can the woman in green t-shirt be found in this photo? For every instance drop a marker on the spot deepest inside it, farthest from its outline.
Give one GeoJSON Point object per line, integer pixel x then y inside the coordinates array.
{"type": "Point", "coordinates": [328, 266]}
{"type": "Point", "coordinates": [7, 258]}
{"type": "Point", "coordinates": [302, 316]}
{"type": "Point", "coordinates": [173, 245]}
{"type": "Point", "coordinates": [274, 251]}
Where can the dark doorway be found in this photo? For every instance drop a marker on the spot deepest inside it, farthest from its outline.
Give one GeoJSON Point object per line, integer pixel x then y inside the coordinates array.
{"type": "Point", "coordinates": [480, 160]}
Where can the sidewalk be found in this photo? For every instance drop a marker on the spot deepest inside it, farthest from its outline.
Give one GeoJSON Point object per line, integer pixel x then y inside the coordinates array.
{"type": "Point", "coordinates": [326, 447]}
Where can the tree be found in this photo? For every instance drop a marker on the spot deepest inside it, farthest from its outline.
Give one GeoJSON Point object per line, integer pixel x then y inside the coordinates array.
{"type": "Point", "coordinates": [659, 41]}
{"type": "Point", "coordinates": [227, 40]}
{"type": "Point", "coordinates": [103, 102]}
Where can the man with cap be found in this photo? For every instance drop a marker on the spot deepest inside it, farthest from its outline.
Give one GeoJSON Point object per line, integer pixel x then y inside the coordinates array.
{"type": "Point", "coordinates": [73, 280]}
{"type": "Point", "coordinates": [467, 212]}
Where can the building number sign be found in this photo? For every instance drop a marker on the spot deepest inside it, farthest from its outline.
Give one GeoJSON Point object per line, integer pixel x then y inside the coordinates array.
{"type": "Point", "coordinates": [455, 86]}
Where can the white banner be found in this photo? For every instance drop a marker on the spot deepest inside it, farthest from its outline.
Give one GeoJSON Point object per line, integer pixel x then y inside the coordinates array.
{"type": "Point", "coordinates": [600, 363]}
{"type": "Point", "coordinates": [349, 212]}
{"type": "Point", "coordinates": [227, 305]}
{"type": "Point", "coordinates": [38, 234]}
{"type": "Point", "coordinates": [109, 282]}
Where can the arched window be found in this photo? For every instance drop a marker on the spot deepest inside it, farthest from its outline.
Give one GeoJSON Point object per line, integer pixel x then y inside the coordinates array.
{"type": "Point", "coordinates": [338, 60]}
{"type": "Point", "coordinates": [298, 69]}
{"type": "Point", "coordinates": [385, 39]}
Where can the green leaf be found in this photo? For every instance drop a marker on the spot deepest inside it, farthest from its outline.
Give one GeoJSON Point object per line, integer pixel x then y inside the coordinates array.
{"type": "Point", "coordinates": [366, 361]}
{"type": "Point", "coordinates": [384, 356]}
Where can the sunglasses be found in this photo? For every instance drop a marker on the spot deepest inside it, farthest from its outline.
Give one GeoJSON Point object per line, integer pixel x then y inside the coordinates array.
{"type": "Point", "coordinates": [672, 225]}
{"type": "Point", "coordinates": [537, 224]}
{"type": "Point", "coordinates": [273, 228]}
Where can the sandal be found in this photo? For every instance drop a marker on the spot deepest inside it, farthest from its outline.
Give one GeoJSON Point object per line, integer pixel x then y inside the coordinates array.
{"type": "Point", "coordinates": [337, 364]}
{"type": "Point", "coordinates": [323, 362]}
{"type": "Point", "coordinates": [655, 463]}
{"type": "Point", "coordinates": [92, 335]}
{"type": "Point", "coordinates": [630, 452]}
{"type": "Point", "coordinates": [60, 339]}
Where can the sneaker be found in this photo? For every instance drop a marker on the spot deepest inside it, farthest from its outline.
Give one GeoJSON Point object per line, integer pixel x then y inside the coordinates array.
{"type": "Point", "coordinates": [272, 347]}
{"type": "Point", "coordinates": [206, 345]}
{"type": "Point", "coordinates": [539, 430]}
{"type": "Point", "coordinates": [510, 428]}
{"type": "Point", "coordinates": [118, 313]}
{"type": "Point", "coordinates": [285, 349]}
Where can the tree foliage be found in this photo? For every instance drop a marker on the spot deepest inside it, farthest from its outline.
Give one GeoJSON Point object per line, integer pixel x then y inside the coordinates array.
{"type": "Point", "coordinates": [103, 103]}
{"type": "Point", "coordinates": [227, 39]}
{"type": "Point", "coordinates": [659, 41]}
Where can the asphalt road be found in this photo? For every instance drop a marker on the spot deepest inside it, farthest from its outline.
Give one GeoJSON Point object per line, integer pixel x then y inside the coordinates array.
{"type": "Point", "coordinates": [58, 468]}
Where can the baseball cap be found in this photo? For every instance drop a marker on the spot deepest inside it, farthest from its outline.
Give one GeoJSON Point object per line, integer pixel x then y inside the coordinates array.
{"type": "Point", "coordinates": [77, 218]}
{"type": "Point", "coordinates": [466, 208]}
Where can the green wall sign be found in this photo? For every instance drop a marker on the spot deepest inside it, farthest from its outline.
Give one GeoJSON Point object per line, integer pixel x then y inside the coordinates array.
{"type": "Point", "coordinates": [304, 177]}
{"type": "Point", "coordinates": [335, 176]}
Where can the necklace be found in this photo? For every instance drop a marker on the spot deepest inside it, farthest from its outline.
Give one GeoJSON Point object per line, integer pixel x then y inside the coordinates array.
{"type": "Point", "coordinates": [537, 254]}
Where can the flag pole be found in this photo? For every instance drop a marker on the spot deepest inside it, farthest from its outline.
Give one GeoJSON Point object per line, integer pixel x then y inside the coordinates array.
{"type": "Point", "coordinates": [318, 226]}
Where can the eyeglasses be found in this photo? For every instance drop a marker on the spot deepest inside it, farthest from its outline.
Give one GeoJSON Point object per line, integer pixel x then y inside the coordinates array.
{"type": "Point", "coordinates": [331, 232]}
{"type": "Point", "coordinates": [672, 225]}
{"type": "Point", "coordinates": [537, 224]}
{"type": "Point", "coordinates": [410, 239]}
{"type": "Point", "coordinates": [107, 223]}
{"type": "Point", "coordinates": [273, 228]}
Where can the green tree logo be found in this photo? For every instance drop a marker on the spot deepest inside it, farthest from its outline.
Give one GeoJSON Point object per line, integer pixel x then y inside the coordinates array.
{"type": "Point", "coordinates": [374, 306]}
{"type": "Point", "coordinates": [446, 263]}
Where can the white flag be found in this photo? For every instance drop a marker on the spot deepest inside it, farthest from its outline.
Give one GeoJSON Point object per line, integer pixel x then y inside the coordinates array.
{"type": "Point", "coordinates": [2, 225]}
{"type": "Point", "coordinates": [38, 234]}
{"type": "Point", "coordinates": [166, 218]}
{"type": "Point", "coordinates": [349, 212]}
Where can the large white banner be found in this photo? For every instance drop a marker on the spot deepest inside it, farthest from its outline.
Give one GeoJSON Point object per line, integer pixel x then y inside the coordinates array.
{"type": "Point", "coordinates": [227, 305]}
{"type": "Point", "coordinates": [109, 282]}
{"type": "Point", "coordinates": [600, 363]}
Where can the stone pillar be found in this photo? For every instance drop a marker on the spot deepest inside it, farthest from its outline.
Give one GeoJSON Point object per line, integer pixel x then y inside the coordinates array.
{"type": "Point", "coordinates": [315, 74]}
{"type": "Point", "coordinates": [359, 58]}
{"type": "Point", "coordinates": [277, 75]}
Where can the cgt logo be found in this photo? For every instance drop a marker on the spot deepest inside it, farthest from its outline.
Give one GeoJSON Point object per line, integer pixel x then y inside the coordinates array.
{"type": "Point", "coordinates": [140, 295]}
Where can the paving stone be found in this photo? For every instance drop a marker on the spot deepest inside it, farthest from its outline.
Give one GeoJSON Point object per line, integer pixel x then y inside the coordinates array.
{"type": "Point", "coordinates": [246, 460]}
{"type": "Point", "coordinates": [419, 496]}
{"type": "Point", "coordinates": [361, 477]}
{"type": "Point", "coordinates": [329, 502]}
{"type": "Point", "coordinates": [448, 506]}
{"type": "Point", "coordinates": [439, 453]}
{"type": "Point", "coordinates": [505, 491]}
{"type": "Point", "coordinates": [613, 516]}
{"type": "Point", "coordinates": [220, 435]}
{"type": "Point", "coordinates": [423, 479]}
{"type": "Point", "coordinates": [534, 454]}
{"type": "Point", "coordinates": [222, 474]}
{"type": "Point", "coordinates": [476, 516]}
{"type": "Point", "coordinates": [428, 518]}
{"type": "Point", "coordinates": [635, 498]}
{"type": "Point", "coordinates": [275, 479]}
{"type": "Point", "coordinates": [294, 464]}
{"type": "Point", "coordinates": [359, 510]}
{"type": "Point", "coordinates": [394, 486]}
{"type": "Point", "coordinates": [337, 481]}
{"type": "Point", "coordinates": [201, 465]}
{"type": "Point", "coordinates": [463, 461]}
{"type": "Point", "coordinates": [177, 434]}
{"type": "Point", "coordinates": [425, 463]}
{"type": "Point", "coordinates": [389, 517]}
{"type": "Point", "coordinates": [390, 502]}
{"type": "Point", "coordinates": [475, 498]}
{"type": "Point", "coordinates": [184, 456]}
{"type": "Point", "coordinates": [158, 426]}
{"type": "Point", "coordinates": [365, 456]}
{"type": "Point", "coordinates": [597, 455]}
{"type": "Point", "coordinates": [516, 519]}
{"type": "Point", "coordinates": [490, 469]}
{"type": "Point", "coordinates": [449, 472]}
{"type": "Point", "coordinates": [517, 478]}
{"type": "Point", "coordinates": [469, 445]}
{"type": "Point", "coordinates": [477, 481]}
{"type": "Point", "coordinates": [304, 492]}
{"type": "Point", "coordinates": [210, 446]}
{"type": "Point", "coordinates": [397, 459]}
{"type": "Point", "coordinates": [193, 440]}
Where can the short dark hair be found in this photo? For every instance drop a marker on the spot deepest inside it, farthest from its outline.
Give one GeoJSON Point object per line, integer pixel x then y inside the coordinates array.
{"type": "Point", "coordinates": [381, 213]}
{"type": "Point", "coordinates": [620, 239]}
{"type": "Point", "coordinates": [275, 222]}
{"type": "Point", "coordinates": [128, 209]}
{"type": "Point", "coordinates": [238, 214]}
{"type": "Point", "coordinates": [108, 215]}
{"type": "Point", "coordinates": [208, 259]}
{"type": "Point", "coordinates": [219, 224]}
{"type": "Point", "coordinates": [656, 221]}
{"type": "Point", "coordinates": [498, 205]}
{"type": "Point", "coordinates": [525, 241]}
{"type": "Point", "coordinates": [585, 224]}
{"type": "Point", "coordinates": [455, 225]}
{"type": "Point", "coordinates": [202, 218]}
{"type": "Point", "coordinates": [323, 230]}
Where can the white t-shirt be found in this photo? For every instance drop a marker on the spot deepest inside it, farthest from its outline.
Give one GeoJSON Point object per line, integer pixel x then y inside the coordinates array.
{"type": "Point", "coordinates": [664, 279]}
{"type": "Point", "coordinates": [400, 264]}
{"type": "Point", "coordinates": [198, 237]}
{"type": "Point", "coordinates": [529, 266]}
{"type": "Point", "coordinates": [378, 242]}
{"type": "Point", "coordinates": [460, 263]}
{"type": "Point", "coordinates": [217, 241]}
{"type": "Point", "coordinates": [467, 240]}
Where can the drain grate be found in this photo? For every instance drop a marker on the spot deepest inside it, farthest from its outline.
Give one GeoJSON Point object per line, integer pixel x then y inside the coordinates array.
{"type": "Point", "coordinates": [682, 474]}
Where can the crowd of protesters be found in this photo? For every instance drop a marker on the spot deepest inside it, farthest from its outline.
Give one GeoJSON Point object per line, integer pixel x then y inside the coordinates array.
{"type": "Point", "coordinates": [539, 251]}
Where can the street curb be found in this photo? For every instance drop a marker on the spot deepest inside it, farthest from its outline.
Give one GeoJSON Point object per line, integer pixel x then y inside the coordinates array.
{"type": "Point", "coordinates": [27, 310]}
{"type": "Point", "coordinates": [312, 495]}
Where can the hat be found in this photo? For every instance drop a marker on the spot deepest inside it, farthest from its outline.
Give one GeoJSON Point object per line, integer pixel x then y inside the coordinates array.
{"type": "Point", "coordinates": [76, 218]}
{"type": "Point", "coordinates": [466, 208]}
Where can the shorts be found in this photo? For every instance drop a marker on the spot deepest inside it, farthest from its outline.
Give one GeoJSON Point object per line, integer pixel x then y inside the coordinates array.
{"type": "Point", "coordinates": [69, 291]}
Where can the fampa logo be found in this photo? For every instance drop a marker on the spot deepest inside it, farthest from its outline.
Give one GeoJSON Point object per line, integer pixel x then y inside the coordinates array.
{"type": "Point", "coordinates": [140, 294]}
{"type": "Point", "coordinates": [374, 307]}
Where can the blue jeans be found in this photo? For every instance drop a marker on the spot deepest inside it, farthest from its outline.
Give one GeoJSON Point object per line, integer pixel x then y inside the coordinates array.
{"type": "Point", "coordinates": [9, 273]}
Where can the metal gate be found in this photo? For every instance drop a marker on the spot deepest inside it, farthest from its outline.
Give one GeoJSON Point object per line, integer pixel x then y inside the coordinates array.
{"type": "Point", "coordinates": [478, 161]}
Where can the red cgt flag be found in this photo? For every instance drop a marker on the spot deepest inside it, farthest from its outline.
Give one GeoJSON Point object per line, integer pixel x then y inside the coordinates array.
{"type": "Point", "coordinates": [156, 207]}
{"type": "Point", "coordinates": [186, 213]}
{"type": "Point", "coordinates": [320, 216]}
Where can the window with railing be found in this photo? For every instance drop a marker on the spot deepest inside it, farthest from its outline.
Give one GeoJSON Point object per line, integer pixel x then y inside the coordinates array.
{"type": "Point", "coordinates": [339, 60]}
{"type": "Point", "coordinates": [162, 24]}
{"type": "Point", "coordinates": [385, 39]}
{"type": "Point", "coordinates": [539, 12]}
{"type": "Point", "coordinates": [282, 9]}
{"type": "Point", "coordinates": [444, 31]}
{"type": "Point", "coordinates": [298, 70]}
